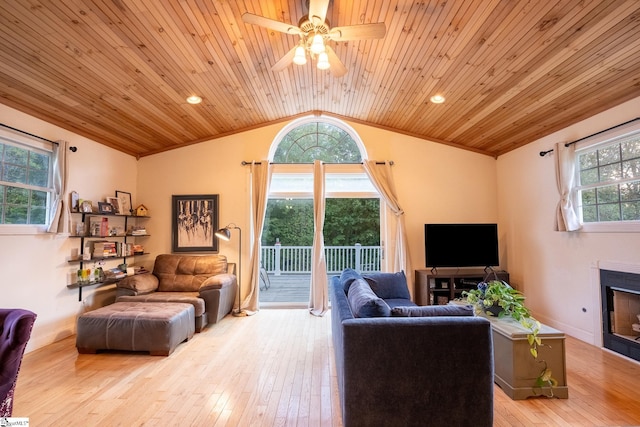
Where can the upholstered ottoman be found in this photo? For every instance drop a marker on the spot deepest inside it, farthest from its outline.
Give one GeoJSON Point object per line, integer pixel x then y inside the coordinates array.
{"type": "Point", "coordinates": [136, 326]}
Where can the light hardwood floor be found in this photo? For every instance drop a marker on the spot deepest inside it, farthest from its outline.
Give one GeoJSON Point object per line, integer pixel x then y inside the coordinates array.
{"type": "Point", "coordinates": [273, 369]}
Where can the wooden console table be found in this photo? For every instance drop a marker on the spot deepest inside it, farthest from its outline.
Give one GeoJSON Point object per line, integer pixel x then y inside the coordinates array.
{"type": "Point", "coordinates": [516, 370]}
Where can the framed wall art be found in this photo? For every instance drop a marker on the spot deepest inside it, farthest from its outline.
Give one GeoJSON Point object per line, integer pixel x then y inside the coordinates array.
{"type": "Point", "coordinates": [113, 201]}
{"type": "Point", "coordinates": [86, 206]}
{"type": "Point", "coordinates": [124, 202]}
{"type": "Point", "coordinates": [194, 222]}
{"type": "Point", "coordinates": [74, 198]}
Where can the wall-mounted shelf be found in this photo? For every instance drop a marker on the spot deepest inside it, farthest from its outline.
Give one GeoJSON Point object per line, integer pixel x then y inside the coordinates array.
{"type": "Point", "coordinates": [121, 239]}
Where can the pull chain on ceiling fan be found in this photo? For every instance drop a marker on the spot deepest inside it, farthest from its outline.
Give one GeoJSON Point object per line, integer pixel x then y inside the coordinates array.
{"type": "Point", "coordinates": [315, 33]}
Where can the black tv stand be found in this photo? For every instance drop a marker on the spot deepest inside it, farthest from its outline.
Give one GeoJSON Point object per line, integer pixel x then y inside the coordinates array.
{"type": "Point", "coordinates": [439, 286]}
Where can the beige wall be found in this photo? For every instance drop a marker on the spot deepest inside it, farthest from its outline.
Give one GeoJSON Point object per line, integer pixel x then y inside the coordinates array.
{"type": "Point", "coordinates": [34, 267]}
{"type": "Point", "coordinates": [558, 271]}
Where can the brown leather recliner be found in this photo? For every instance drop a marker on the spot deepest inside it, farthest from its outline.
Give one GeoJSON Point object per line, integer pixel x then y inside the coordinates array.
{"type": "Point", "coordinates": [206, 281]}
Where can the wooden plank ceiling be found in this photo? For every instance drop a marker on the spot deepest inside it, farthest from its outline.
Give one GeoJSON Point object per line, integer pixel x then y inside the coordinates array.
{"type": "Point", "coordinates": [512, 71]}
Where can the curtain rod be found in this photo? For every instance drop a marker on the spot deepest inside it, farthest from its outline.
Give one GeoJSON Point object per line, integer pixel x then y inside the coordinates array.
{"type": "Point", "coordinates": [245, 163]}
{"type": "Point", "coordinates": [543, 153]}
{"type": "Point", "coordinates": [73, 149]}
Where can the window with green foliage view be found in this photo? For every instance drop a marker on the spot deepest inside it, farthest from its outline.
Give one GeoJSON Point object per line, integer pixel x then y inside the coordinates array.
{"type": "Point", "coordinates": [609, 180]}
{"type": "Point", "coordinates": [347, 222]}
{"type": "Point", "coordinates": [25, 179]}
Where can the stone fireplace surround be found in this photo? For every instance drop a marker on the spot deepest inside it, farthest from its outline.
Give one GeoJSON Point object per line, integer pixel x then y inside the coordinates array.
{"type": "Point", "coordinates": [620, 296]}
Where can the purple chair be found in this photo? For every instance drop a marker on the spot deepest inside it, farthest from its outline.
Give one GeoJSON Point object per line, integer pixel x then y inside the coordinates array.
{"type": "Point", "coordinates": [15, 330]}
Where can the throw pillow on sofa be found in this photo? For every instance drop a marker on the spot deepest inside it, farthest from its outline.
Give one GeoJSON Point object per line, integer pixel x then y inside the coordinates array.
{"type": "Point", "coordinates": [433, 310]}
{"type": "Point", "coordinates": [347, 277]}
{"type": "Point", "coordinates": [364, 302]}
{"type": "Point", "coordinates": [388, 285]}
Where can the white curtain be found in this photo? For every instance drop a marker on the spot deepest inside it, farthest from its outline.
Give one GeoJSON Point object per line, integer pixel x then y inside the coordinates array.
{"type": "Point", "coordinates": [59, 215]}
{"type": "Point", "coordinates": [260, 180]}
{"type": "Point", "coordinates": [319, 295]}
{"type": "Point", "coordinates": [566, 217]}
{"type": "Point", "coordinates": [382, 178]}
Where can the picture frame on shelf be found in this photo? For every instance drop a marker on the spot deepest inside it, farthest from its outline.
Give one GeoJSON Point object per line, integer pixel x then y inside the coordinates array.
{"type": "Point", "coordinates": [124, 202]}
{"type": "Point", "coordinates": [194, 223]}
{"type": "Point", "coordinates": [86, 206]}
{"type": "Point", "coordinates": [105, 208]}
{"type": "Point", "coordinates": [113, 201]}
{"type": "Point", "coordinates": [74, 198]}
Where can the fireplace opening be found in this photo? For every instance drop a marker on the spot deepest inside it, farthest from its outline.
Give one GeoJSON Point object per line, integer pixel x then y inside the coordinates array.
{"type": "Point", "coordinates": [621, 312]}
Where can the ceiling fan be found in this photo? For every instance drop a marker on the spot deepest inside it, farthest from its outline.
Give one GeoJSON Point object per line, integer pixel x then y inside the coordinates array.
{"type": "Point", "coordinates": [314, 31]}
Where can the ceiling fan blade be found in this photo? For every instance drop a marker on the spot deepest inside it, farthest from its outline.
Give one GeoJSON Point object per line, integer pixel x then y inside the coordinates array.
{"type": "Point", "coordinates": [318, 11]}
{"type": "Point", "coordinates": [285, 61]}
{"type": "Point", "coordinates": [250, 18]}
{"type": "Point", "coordinates": [337, 68]}
{"type": "Point", "coordinates": [358, 32]}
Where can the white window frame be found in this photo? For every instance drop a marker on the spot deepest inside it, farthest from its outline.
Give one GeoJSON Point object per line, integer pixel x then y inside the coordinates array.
{"type": "Point", "coordinates": [312, 119]}
{"type": "Point", "coordinates": [596, 142]}
{"type": "Point", "coordinates": [9, 137]}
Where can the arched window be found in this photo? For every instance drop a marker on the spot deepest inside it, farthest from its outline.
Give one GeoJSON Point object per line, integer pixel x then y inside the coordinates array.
{"type": "Point", "coordinates": [352, 215]}
{"type": "Point", "coordinates": [312, 139]}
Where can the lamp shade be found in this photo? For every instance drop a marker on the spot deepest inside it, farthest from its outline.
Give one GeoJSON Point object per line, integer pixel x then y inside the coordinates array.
{"type": "Point", "coordinates": [300, 58]}
{"type": "Point", "coordinates": [224, 234]}
{"type": "Point", "coordinates": [317, 44]}
{"type": "Point", "coordinates": [323, 61]}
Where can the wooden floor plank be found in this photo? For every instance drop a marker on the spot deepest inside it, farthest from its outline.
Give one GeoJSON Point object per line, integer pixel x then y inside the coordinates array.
{"type": "Point", "coordinates": [274, 369]}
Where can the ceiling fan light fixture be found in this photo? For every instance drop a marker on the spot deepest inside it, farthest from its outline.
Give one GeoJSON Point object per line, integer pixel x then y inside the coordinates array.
{"type": "Point", "coordinates": [323, 61]}
{"type": "Point", "coordinates": [315, 33]}
{"type": "Point", "coordinates": [437, 99]}
{"type": "Point", "coordinates": [194, 99]}
{"type": "Point", "coordinates": [300, 57]}
{"type": "Point", "coordinates": [317, 44]}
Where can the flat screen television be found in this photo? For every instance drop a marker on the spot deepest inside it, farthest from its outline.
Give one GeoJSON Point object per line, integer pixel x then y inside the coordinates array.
{"type": "Point", "coordinates": [461, 245]}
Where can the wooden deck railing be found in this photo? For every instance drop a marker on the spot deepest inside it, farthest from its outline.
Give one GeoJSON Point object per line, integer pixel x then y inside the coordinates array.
{"type": "Point", "coordinates": [280, 259]}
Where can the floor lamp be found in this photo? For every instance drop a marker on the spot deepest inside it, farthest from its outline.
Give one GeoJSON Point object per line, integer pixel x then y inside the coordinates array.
{"type": "Point", "coordinates": [225, 234]}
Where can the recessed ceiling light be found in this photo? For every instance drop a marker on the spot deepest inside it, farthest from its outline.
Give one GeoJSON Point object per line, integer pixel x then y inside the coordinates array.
{"type": "Point", "coordinates": [194, 99]}
{"type": "Point", "coordinates": [437, 99]}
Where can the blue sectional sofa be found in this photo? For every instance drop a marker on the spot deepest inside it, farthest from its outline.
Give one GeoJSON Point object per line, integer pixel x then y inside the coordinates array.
{"type": "Point", "coordinates": [399, 364]}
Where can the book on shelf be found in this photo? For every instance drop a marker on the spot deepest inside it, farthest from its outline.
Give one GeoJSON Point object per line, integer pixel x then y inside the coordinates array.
{"type": "Point", "coordinates": [126, 249]}
{"type": "Point", "coordinates": [104, 226]}
{"type": "Point", "coordinates": [104, 249]}
{"type": "Point", "coordinates": [138, 231]}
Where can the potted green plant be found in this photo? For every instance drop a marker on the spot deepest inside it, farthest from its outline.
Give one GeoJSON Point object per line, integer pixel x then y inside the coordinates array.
{"type": "Point", "coordinates": [497, 298]}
